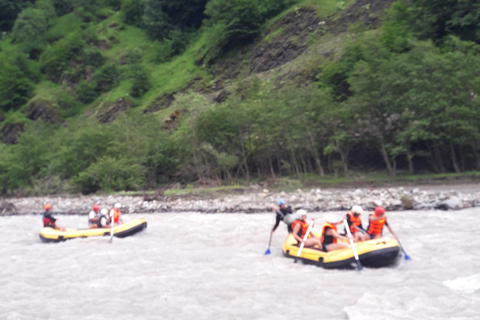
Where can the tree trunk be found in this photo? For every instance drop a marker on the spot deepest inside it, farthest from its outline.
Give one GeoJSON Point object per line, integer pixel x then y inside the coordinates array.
{"type": "Point", "coordinates": [475, 154]}
{"type": "Point", "coordinates": [409, 157]}
{"type": "Point", "coordinates": [383, 150]}
{"type": "Point", "coordinates": [454, 158]}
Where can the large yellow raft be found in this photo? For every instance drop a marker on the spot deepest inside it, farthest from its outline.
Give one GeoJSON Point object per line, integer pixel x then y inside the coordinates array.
{"type": "Point", "coordinates": [121, 231]}
{"type": "Point", "coordinates": [374, 253]}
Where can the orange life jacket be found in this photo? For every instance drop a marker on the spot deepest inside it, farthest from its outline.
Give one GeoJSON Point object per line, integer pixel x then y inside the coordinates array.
{"type": "Point", "coordinates": [329, 239]}
{"type": "Point", "coordinates": [116, 215]}
{"type": "Point", "coordinates": [356, 221]}
{"type": "Point", "coordinates": [303, 229]}
{"type": "Point", "coordinates": [375, 227]}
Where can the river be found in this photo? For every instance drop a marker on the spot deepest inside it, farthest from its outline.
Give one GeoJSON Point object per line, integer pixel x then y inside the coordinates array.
{"type": "Point", "coordinates": [207, 266]}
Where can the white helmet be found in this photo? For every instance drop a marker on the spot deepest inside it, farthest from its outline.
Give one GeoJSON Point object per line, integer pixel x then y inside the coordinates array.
{"type": "Point", "coordinates": [104, 212]}
{"type": "Point", "coordinates": [331, 218]}
{"type": "Point", "coordinates": [357, 209]}
{"type": "Point", "coordinates": [301, 212]}
{"type": "Point", "coordinates": [117, 205]}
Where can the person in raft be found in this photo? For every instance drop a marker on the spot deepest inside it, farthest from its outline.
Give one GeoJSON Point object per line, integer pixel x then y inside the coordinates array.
{"type": "Point", "coordinates": [116, 214]}
{"type": "Point", "coordinates": [330, 234]}
{"type": "Point", "coordinates": [94, 217]}
{"type": "Point", "coordinates": [49, 220]}
{"type": "Point", "coordinates": [355, 224]}
{"type": "Point", "coordinates": [377, 220]}
{"type": "Point", "coordinates": [103, 219]}
{"type": "Point", "coordinates": [284, 214]}
{"type": "Point", "coordinates": [300, 227]}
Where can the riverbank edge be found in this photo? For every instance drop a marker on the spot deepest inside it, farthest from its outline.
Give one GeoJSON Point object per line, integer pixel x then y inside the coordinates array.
{"type": "Point", "coordinates": [256, 199]}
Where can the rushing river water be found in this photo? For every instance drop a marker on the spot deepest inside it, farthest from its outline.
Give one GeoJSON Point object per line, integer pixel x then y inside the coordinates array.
{"type": "Point", "coordinates": [201, 266]}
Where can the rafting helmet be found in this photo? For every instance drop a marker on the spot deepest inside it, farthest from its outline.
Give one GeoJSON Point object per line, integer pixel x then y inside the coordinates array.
{"type": "Point", "coordinates": [331, 218]}
{"type": "Point", "coordinates": [117, 205]}
{"type": "Point", "coordinates": [379, 211]}
{"type": "Point", "coordinates": [96, 208]}
{"type": "Point", "coordinates": [281, 201]}
{"type": "Point", "coordinates": [301, 212]}
{"type": "Point", "coordinates": [47, 207]}
{"type": "Point", "coordinates": [104, 212]}
{"type": "Point", "coordinates": [357, 209]}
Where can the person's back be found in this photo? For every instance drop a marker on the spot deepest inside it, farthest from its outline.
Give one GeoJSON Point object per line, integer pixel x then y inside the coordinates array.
{"type": "Point", "coordinates": [93, 217]}
{"type": "Point", "coordinates": [47, 218]}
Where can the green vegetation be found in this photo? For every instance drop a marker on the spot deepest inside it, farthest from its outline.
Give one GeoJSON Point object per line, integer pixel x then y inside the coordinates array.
{"type": "Point", "coordinates": [117, 95]}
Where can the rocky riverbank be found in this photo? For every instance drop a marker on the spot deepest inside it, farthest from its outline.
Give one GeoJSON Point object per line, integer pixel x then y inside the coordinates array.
{"type": "Point", "coordinates": [257, 200]}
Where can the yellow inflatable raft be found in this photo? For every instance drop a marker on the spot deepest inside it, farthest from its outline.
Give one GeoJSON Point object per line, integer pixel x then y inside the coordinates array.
{"type": "Point", "coordinates": [121, 231]}
{"type": "Point", "coordinates": [374, 253]}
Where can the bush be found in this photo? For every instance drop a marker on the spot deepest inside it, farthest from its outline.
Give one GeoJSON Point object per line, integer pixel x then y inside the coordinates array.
{"type": "Point", "coordinates": [54, 60]}
{"type": "Point", "coordinates": [86, 91]}
{"type": "Point", "coordinates": [107, 78]}
{"type": "Point", "coordinates": [141, 82]}
{"type": "Point", "coordinates": [15, 88]}
{"type": "Point", "coordinates": [110, 174]}
{"type": "Point", "coordinates": [133, 12]}
{"type": "Point", "coordinates": [155, 21]}
{"type": "Point", "coordinates": [93, 57]}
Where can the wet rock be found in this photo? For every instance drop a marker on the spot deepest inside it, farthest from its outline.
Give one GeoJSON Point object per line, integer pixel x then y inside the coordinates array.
{"type": "Point", "coordinates": [7, 208]}
{"type": "Point", "coordinates": [454, 203]}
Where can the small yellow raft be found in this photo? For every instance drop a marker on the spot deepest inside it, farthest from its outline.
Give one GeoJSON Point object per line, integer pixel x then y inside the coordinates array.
{"type": "Point", "coordinates": [374, 253]}
{"type": "Point", "coordinates": [121, 231]}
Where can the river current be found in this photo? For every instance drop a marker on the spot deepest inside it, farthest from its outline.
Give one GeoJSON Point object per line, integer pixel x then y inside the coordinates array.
{"type": "Point", "coordinates": [213, 266]}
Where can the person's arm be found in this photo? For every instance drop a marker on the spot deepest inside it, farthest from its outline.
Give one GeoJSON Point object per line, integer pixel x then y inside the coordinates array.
{"type": "Point", "coordinates": [277, 222]}
{"type": "Point", "coordinates": [336, 235]}
{"type": "Point", "coordinates": [295, 233]}
{"type": "Point", "coordinates": [49, 216]}
{"type": "Point", "coordinates": [391, 231]}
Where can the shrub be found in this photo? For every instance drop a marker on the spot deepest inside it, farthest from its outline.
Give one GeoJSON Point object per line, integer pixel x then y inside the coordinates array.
{"type": "Point", "coordinates": [86, 91]}
{"type": "Point", "coordinates": [110, 174]}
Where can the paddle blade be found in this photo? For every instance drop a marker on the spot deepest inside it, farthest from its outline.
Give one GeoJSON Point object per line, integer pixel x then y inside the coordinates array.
{"type": "Point", "coordinates": [407, 257]}
{"type": "Point", "coordinates": [268, 251]}
{"type": "Point", "coordinates": [359, 266]}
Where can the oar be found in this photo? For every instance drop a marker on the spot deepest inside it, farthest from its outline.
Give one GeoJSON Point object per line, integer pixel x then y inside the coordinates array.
{"type": "Point", "coordinates": [269, 243]}
{"type": "Point", "coordinates": [111, 230]}
{"type": "Point", "coordinates": [305, 237]}
{"type": "Point", "coordinates": [359, 265]}
{"type": "Point", "coordinates": [407, 257]}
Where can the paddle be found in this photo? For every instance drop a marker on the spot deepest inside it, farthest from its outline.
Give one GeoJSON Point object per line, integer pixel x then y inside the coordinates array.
{"type": "Point", "coordinates": [111, 230]}
{"type": "Point", "coordinates": [305, 237]}
{"type": "Point", "coordinates": [406, 256]}
{"type": "Point", "coordinates": [269, 243]}
{"type": "Point", "coordinates": [359, 265]}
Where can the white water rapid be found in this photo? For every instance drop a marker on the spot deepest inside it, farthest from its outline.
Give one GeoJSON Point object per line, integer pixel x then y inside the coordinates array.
{"type": "Point", "coordinates": [212, 266]}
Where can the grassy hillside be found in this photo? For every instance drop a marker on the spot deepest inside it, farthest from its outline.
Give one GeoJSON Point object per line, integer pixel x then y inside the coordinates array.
{"type": "Point", "coordinates": [126, 95]}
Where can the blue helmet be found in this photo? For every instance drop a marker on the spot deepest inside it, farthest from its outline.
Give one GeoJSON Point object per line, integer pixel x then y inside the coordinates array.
{"type": "Point", "coordinates": [281, 201]}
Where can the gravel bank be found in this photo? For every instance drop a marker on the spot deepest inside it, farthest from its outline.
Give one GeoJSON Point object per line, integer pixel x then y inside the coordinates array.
{"type": "Point", "coordinates": [261, 200]}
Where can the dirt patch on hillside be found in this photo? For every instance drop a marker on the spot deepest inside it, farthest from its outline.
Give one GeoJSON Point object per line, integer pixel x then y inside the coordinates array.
{"type": "Point", "coordinates": [363, 12]}
{"type": "Point", "coordinates": [160, 103]}
{"type": "Point", "coordinates": [10, 131]}
{"type": "Point", "coordinates": [279, 48]}
{"type": "Point", "coordinates": [44, 111]}
{"type": "Point", "coordinates": [111, 110]}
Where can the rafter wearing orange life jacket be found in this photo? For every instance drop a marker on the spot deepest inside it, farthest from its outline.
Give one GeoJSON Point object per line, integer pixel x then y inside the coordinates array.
{"type": "Point", "coordinates": [376, 227]}
{"type": "Point", "coordinates": [303, 227]}
{"type": "Point", "coordinates": [356, 222]}
{"type": "Point", "coordinates": [326, 239]}
{"type": "Point", "coordinates": [116, 215]}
